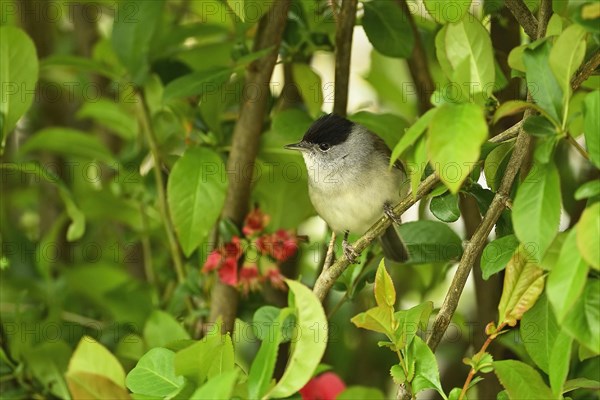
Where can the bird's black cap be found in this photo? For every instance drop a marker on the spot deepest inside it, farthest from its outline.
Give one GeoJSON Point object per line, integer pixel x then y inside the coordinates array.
{"type": "Point", "coordinates": [331, 129]}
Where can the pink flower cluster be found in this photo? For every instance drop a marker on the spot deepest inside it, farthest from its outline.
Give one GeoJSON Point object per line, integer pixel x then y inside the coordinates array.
{"type": "Point", "coordinates": [261, 253]}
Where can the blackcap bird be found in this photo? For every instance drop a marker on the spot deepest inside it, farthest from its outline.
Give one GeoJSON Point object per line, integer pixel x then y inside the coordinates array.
{"type": "Point", "coordinates": [350, 182]}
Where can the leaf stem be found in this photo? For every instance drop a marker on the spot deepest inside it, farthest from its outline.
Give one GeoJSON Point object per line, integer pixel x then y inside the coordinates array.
{"type": "Point", "coordinates": [578, 147]}
{"type": "Point", "coordinates": [148, 131]}
{"type": "Point", "coordinates": [484, 347]}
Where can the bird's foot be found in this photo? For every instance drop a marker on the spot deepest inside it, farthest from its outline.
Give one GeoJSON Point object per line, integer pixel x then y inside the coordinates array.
{"type": "Point", "coordinates": [388, 210]}
{"type": "Point", "coordinates": [348, 250]}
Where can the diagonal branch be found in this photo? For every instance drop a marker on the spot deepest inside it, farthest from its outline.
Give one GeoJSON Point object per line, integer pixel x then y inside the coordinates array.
{"type": "Point", "coordinates": [586, 70]}
{"type": "Point", "coordinates": [328, 277]}
{"type": "Point", "coordinates": [524, 17]}
{"type": "Point", "coordinates": [343, 51]}
{"type": "Point", "coordinates": [478, 240]}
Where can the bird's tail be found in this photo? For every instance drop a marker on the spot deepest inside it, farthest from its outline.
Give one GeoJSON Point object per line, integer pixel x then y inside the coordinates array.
{"type": "Point", "coordinates": [393, 247]}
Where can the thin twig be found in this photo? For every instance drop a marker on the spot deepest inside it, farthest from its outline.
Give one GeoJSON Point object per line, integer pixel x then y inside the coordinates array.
{"type": "Point", "coordinates": [524, 17]}
{"type": "Point", "coordinates": [327, 278]}
{"type": "Point", "coordinates": [508, 134]}
{"type": "Point", "coordinates": [578, 147]}
{"type": "Point", "coordinates": [160, 186]}
{"type": "Point", "coordinates": [330, 252]}
{"type": "Point", "coordinates": [343, 51]}
{"type": "Point", "coordinates": [479, 239]}
{"type": "Point", "coordinates": [484, 347]}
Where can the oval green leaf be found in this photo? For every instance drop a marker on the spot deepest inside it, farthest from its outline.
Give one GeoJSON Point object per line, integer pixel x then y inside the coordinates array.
{"type": "Point", "coordinates": [19, 71]}
{"type": "Point", "coordinates": [309, 347]}
{"type": "Point", "coordinates": [196, 194]}
{"type": "Point", "coordinates": [454, 140]}
{"type": "Point", "coordinates": [388, 28]}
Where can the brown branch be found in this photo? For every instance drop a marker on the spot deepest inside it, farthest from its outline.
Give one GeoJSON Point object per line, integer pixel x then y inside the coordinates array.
{"type": "Point", "coordinates": [524, 17]}
{"type": "Point", "coordinates": [586, 70]}
{"type": "Point", "coordinates": [418, 64]}
{"type": "Point", "coordinates": [478, 240]}
{"type": "Point", "coordinates": [508, 134]}
{"type": "Point", "coordinates": [343, 51]}
{"type": "Point", "coordinates": [245, 141]}
{"type": "Point", "coordinates": [328, 277]}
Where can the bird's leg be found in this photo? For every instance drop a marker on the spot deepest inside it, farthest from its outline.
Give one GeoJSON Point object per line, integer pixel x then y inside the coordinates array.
{"type": "Point", "coordinates": [349, 251]}
{"type": "Point", "coordinates": [388, 210]}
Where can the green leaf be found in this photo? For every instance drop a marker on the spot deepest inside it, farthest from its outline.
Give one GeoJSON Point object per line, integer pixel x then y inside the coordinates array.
{"type": "Point", "coordinates": [398, 375]}
{"type": "Point", "coordinates": [410, 321]}
{"type": "Point", "coordinates": [211, 356]}
{"type": "Point", "coordinates": [80, 64]}
{"type": "Point", "coordinates": [560, 358]}
{"type": "Point", "coordinates": [444, 11]}
{"type": "Point", "coordinates": [536, 125]}
{"type": "Point", "coordinates": [542, 84]}
{"type": "Point", "coordinates": [412, 134]}
{"type": "Point", "coordinates": [77, 227]}
{"type": "Point", "coordinates": [539, 330]}
{"type": "Point", "coordinates": [454, 139]}
{"type": "Point", "coordinates": [581, 383]}
{"type": "Point", "coordinates": [416, 164]}
{"type": "Point", "coordinates": [567, 278]}
{"type": "Point", "coordinates": [583, 322]}
{"type": "Point", "coordinates": [309, 85]}
{"type": "Point", "coordinates": [592, 126]}
{"type": "Point", "coordinates": [196, 194]}
{"type": "Point", "coordinates": [376, 319]}
{"type": "Point", "coordinates": [47, 362]}
{"type": "Point", "coordinates": [95, 371]}
{"type": "Point", "coordinates": [565, 58]}
{"type": "Point", "coordinates": [388, 28]}
{"type": "Point", "coordinates": [261, 371]}
{"type": "Point", "coordinates": [521, 381]}
{"type": "Point", "coordinates": [468, 48]}
{"type": "Point", "coordinates": [132, 35]}
{"type": "Point", "coordinates": [385, 294]}
{"type": "Point", "coordinates": [280, 176]}
{"type": "Point", "coordinates": [497, 254]}
{"type": "Point", "coordinates": [588, 190]}
{"type": "Point", "coordinates": [197, 83]}
{"type": "Point", "coordinates": [512, 107]}
{"type": "Point", "coordinates": [18, 74]}
{"type": "Point", "coordinates": [495, 165]}
{"type": "Point", "coordinates": [219, 387]}
{"type": "Point", "coordinates": [430, 242]}
{"type": "Point", "coordinates": [310, 346]}
{"type": "Point", "coordinates": [111, 115]}
{"type": "Point", "coordinates": [537, 207]}
{"type": "Point", "coordinates": [515, 58]}
{"type": "Point", "coordinates": [154, 374]}
{"type": "Point", "coordinates": [69, 142]}
{"type": "Point", "coordinates": [427, 375]}
{"type": "Point", "coordinates": [360, 393]}
{"type": "Point", "coordinates": [445, 207]}
{"type": "Point", "coordinates": [161, 328]}
{"type": "Point", "coordinates": [523, 284]}
{"type": "Point", "coordinates": [588, 234]}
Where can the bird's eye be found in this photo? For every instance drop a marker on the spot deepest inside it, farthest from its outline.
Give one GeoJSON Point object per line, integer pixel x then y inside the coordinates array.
{"type": "Point", "coordinates": [324, 146]}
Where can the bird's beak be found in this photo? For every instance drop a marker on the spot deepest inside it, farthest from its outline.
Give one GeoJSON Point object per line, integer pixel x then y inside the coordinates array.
{"type": "Point", "coordinates": [300, 146]}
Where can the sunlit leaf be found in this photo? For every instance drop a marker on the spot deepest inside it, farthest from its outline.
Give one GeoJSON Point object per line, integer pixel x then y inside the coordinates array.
{"type": "Point", "coordinates": [154, 374]}
{"type": "Point", "coordinates": [385, 294]}
{"type": "Point", "coordinates": [521, 381]}
{"type": "Point", "coordinates": [523, 284]}
{"type": "Point", "coordinates": [588, 234]}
